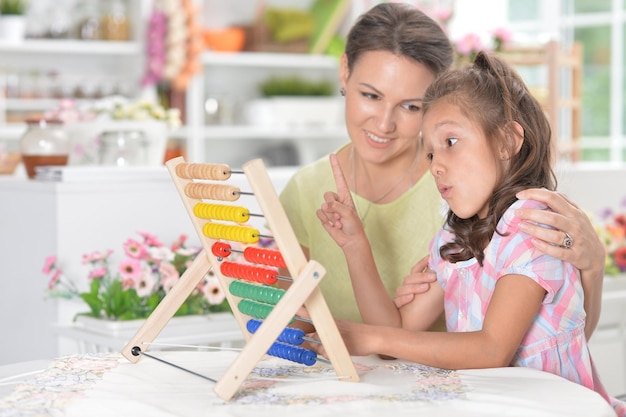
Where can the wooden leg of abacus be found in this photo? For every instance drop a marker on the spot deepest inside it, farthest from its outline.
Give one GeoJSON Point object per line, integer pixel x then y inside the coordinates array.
{"type": "Point", "coordinates": [167, 307]}
{"type": "Point", "coordinates": [269, 331]}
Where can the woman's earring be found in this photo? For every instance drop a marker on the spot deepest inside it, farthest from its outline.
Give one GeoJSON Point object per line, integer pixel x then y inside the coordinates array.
{"type": "Point", "coordinates": [342, 91]}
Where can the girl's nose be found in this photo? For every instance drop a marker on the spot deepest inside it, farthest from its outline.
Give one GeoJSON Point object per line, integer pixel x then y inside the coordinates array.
{"type": "Point", "coordinates": [436, 168]}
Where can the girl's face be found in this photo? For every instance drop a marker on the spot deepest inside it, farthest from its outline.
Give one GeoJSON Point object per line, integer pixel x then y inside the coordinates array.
{"type": "Point", "coordinates": [384, 104]}
{"type": "Point", "coordinates": [461, 160]}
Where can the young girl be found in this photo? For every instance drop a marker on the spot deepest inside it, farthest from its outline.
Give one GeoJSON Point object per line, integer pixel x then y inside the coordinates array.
{"type": "Point", "coordinates": [505, 302]}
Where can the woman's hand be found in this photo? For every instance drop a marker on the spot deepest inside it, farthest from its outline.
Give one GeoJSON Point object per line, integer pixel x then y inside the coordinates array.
{"type": "Point", "coordinates": [417, 282]}
{"type": "Point", "coordinates": [338, 213]}
{"type": "Point", "coordinates": [587, 253]}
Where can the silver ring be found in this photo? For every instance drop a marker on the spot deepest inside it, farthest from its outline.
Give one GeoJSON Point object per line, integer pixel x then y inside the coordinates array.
{"type": "Point", "coordinates": [568, 242]}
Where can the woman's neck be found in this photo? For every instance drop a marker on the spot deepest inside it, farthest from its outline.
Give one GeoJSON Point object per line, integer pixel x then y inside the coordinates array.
{"type": "Point", "coordinates": [383, 183]}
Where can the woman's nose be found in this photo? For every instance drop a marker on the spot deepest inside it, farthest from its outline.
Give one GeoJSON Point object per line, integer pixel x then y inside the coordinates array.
{"type": "Point", "coordinates": [387, 121]}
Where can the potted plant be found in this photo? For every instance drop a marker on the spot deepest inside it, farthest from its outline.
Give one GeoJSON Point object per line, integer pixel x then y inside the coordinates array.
{"type": "Point", "coordinates": [132, 288]}
{"type": "Point", "coordinates": [12, 20]}
{"type": "Point", "coordinates": [293, 101]}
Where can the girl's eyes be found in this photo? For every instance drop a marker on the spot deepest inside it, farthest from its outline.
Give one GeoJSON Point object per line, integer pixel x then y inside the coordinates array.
{"type": "Point", "coordinates": [429, 156]}
{"type": "Point", "coordinates": [451, 141]}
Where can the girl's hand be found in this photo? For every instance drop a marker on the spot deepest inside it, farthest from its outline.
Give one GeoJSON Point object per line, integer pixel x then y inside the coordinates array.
{"type": "Point", "coordinates": [357, 337]}
{"type": "Point", "coordinates": [338, 213]}
{"type": "Point", "coordinates": [417, 282]}
{"type": "Point", "coordinates": [587, 252]}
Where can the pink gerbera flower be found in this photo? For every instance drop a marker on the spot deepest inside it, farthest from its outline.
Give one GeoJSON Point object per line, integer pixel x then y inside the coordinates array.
{"type": "Point", "coordinates": [169, 276]}
{"type": "Point", "coordinates": [130, 268]}
{"type": "Point", "coordinates": [502, 34]}
{"type": "Point", "coordinates": [179, 243]}
{"type": "Point", "coordinates": [469, 44]}
{"type": "Point", "coordinates": [96, 256]}
{"type": "Point", "coordinates": [49, 264]}
{"type": "Point", "coordinates": [55, 278]}
{"type": "Point", "coordinates": [97, 273]}
{"type": "Point", "coordinates": [150, 239]}
{"type": "Point", "coordinates": [146, 284]}
{"type": "Point", "coordinates": [213, 291]}
{"type": "Point", "coordinates": [134, 249]}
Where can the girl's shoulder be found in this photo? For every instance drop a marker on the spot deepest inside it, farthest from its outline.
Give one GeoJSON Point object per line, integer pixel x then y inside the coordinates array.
{"type": "Point", "coordinates": [509, 218]}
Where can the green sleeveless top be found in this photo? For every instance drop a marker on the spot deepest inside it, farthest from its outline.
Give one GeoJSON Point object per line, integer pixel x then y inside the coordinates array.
{"type": "Point", "coordinates": [399, 232]}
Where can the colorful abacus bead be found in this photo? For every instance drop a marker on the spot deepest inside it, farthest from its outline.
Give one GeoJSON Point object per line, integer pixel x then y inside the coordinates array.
{"type": "Point", "coordinates": [218, 172]}
{"type": "Point", "coordinates": [249, 272]}
{"type": "Point", "coordinates": [222, 192]}
{"type": "Point", "coordinates": [256, 292]}
{"type": "Point", "coordinates": [235, 214]}
{"type": "Point", "coordinates": [241, 234]}
{"type": "Point", "coordinates": [264, 256]}
{"type": "Point", "coordinates": [256, 309]}
{"type": "Point", "coordinates": [221, 249]}
{"type": "Point", "coordinates": [290, 335]}
{"type": "Point", "coordinates": [293, 353]}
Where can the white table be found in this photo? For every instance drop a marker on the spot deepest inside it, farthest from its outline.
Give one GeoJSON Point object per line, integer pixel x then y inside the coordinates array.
{"type": "Point", "coordinates": [103, 385]}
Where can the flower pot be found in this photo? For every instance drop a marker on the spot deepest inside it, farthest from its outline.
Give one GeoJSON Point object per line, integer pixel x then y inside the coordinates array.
{"type": "Point", "coordinates": [295, 112]}
{"type": "Point", "coordinates": [97, 335]}
{"type": "Point", "coordinates": [12, 28]}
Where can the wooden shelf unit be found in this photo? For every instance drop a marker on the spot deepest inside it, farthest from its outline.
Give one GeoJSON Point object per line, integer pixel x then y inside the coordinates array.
{"type": "Point", "coordinates": [563, 90]}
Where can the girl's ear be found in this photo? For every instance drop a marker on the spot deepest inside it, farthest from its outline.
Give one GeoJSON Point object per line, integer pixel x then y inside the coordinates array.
{"type": "Point", "coordinates": [514, 138]}
{"type": "Point", "coordinates": [344, 71]}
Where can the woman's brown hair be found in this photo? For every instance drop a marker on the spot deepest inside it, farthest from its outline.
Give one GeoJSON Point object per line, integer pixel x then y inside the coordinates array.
{"type": "Point", "coordinates": [403, 30]}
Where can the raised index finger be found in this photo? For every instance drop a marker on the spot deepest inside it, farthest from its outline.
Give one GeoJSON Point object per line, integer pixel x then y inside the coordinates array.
{"type": "Point", "coordinates": [343, 191]}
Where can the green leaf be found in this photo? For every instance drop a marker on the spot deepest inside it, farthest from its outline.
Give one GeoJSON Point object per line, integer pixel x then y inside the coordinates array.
{"type": "Point", "coordinates": [94, 303]}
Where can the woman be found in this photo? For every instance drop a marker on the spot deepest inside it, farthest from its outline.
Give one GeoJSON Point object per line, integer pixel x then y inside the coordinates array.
{"type": "Point", "coordinates": [393, 53]}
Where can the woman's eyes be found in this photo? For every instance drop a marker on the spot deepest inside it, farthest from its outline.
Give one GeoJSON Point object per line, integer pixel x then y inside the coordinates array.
{"type": "Point", "coordinates": [410, 107]}
{"type": "Point", "coordinates": [370, 95]}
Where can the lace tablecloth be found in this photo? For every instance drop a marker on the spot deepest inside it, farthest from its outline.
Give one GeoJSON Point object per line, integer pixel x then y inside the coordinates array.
{"type": "Point", "coordinates": [97, 385]}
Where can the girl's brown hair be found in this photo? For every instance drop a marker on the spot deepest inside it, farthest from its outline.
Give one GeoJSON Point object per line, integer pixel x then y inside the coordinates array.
{"type": "Point", "coordinates": [403, 30]}
{"type": "Point", "coordinates": [491, 93]}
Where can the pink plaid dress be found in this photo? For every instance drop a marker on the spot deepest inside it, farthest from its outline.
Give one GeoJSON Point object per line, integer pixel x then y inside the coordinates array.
{"type": "Point", "coordinates": [555, 342]}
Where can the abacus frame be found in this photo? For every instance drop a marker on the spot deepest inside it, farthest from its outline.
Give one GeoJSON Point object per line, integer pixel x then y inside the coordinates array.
{"type": "Point", "coordinates": [304, 290]}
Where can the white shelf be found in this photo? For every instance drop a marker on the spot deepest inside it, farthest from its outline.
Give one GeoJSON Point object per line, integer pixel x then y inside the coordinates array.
{"type": "Point", "coordinates": [20, 104]}
{"type": "Point", "coordinates": [246, 132]}
{"type": "Point", "coordinates": [269, 60]}
{"type": "Point", "coordinates": [71, 47]}
{"type": "Point", "coordinates": [12, 131]}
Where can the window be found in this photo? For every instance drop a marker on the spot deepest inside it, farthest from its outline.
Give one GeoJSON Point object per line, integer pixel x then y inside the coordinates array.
{"type": "Point", "coordinates": [598, 25]}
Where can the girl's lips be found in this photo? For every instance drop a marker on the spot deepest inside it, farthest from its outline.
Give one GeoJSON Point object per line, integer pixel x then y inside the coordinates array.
{"type": "Point", "coordinates": [444, 191]}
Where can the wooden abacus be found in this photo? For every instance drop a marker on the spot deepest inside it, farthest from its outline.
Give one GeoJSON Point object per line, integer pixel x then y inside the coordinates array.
{"type": "Point", "coordinates": [213, 223]}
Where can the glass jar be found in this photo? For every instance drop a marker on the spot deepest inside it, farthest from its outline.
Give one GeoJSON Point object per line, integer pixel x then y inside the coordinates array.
{"type": "Point", "coordinates": [115, 23]}
{"type": "Point", "coordinates": [44, 143]}
{"type": "Point", "coordinates": [123, 148]}
{"type": "Point", "coordinates": [87, 25]}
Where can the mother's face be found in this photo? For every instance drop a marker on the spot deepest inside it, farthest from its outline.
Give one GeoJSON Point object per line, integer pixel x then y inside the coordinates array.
{"type": "Point", "coordinates": [384, 95]}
